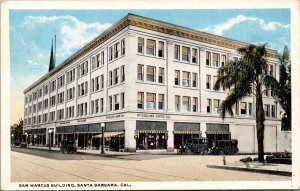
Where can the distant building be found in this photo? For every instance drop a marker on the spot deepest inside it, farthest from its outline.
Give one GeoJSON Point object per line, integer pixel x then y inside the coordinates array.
{"type": "Point", "coordinates": [152, 84]}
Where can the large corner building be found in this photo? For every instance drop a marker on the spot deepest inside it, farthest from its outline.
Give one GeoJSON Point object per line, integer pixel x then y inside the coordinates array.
{"type": "Point", "coordinates": [151, 83]}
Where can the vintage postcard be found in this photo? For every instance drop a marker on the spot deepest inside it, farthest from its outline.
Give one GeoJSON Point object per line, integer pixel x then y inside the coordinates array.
{"type": "Point", "coordinates": [138, 95]}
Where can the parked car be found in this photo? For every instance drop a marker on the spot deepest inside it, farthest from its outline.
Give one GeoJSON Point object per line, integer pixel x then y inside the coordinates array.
{"type": "Point", "coordinates": [194, 145]}
{"type": "Point", "coordinates": [68, 146]}
{"type": "Point", "coordinates": [225, 147]}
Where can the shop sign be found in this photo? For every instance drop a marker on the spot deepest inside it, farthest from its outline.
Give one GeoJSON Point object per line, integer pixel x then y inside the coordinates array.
{"type": "Point", "coordinates": [114, 116]}
{"type": "Point", "coordinates": [156, 116]}
{"type": "Point", "coordinates": [64, 122]}
{"type": "Point", "coordinates": [81, 120]}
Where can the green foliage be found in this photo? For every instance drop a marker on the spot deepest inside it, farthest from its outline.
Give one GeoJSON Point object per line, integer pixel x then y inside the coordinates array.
{"type": "Point", "coordinates": [18, 130]}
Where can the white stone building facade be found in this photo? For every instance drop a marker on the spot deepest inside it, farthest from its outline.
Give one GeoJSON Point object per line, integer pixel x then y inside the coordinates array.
{"type": "Point", "coordinates": [151, 83]}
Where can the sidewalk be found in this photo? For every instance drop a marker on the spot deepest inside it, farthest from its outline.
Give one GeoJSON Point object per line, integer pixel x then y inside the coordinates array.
{"type": "Point", "coordinates": [256, 167]}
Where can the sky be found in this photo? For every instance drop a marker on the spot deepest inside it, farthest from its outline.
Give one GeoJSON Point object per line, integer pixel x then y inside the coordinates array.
{"type": "Point", "coordinates": [31, 32]}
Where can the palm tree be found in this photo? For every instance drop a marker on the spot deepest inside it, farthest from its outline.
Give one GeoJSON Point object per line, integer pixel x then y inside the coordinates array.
{"type": "Point", "coordinates": [245, 77]}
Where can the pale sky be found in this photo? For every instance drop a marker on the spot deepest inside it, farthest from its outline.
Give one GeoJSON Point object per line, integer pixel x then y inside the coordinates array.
{"type": "Point", "coordinates": [31, 32]}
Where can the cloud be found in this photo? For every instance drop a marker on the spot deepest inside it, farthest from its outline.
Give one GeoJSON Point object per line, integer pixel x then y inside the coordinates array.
{"type": "Point", "coordinates": [73, 33]}
{"type": "Point", "coordinates": [219, 29]}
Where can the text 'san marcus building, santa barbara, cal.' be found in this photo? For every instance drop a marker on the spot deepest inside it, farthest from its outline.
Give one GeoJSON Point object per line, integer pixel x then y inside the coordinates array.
{"type": "Point", "coordinates": [151, 83]}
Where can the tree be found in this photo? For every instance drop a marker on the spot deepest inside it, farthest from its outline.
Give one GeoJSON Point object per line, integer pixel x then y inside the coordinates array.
{"type": "Point", "coordinates": [245, 77]}
{"type": "Point", "coordinates": [17, 131]}
{"type": "Point", "coordinates": [282, 88]}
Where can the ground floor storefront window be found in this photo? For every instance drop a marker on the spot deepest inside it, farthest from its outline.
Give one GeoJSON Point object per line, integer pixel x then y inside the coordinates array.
{"type": "Point", "coordinates": [215, 132]}
{"type": "Point", "coordinates": [180, 138]}
{"type": "Point", "coordinates": [149, 141]}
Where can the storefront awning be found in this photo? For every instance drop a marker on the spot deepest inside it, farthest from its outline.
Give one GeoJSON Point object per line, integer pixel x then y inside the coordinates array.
{"type": "Point", "coordinates": [151, 131]}
{"type": "Point", "coordinates": [187, 132]}
{"type": "Point", "coordinates": [217, 132]}
{"type": "Point", "coordinates": [109, 134]}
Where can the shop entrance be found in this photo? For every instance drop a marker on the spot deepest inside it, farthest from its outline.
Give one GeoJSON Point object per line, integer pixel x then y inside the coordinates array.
{"type": "Point", "coordinates": [179, 139]}
{"type": "Point", "coordinates": [151, 141]}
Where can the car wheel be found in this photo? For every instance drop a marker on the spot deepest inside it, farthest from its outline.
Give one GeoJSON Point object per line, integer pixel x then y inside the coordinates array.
{"type": "Point", "coordinates": [188, 151]}
{"type": "Point", "coordinates": [204, 151]}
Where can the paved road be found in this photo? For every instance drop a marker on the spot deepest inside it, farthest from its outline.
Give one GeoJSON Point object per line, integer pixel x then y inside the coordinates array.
{"type": "Point", "coordinates": [43, 166]}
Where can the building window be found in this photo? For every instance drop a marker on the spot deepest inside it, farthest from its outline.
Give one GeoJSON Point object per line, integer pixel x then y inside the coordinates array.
{"type": "Point", "coordinates": [185, 79]}
{"type": "Point", "coordinates": [216, 60]}
{"type": "Point", "coordinates": [102, 81]}
{"type": "Point", "coordinates": [151, 101]}
{"type": "Point", "coordinates": [40, 93]}
{"type": "Point", "coordinates": [150, 73]}
{"type": "Point", "coordinates": [237, 109]}
{"type": "Point", "coordinates": [71, 75]}
{"type": "Point", "coordinates": [110, 78]}
{"type": "Point", "coordinates": [161, 47]}
{"type": "Point", "coordinates": [52, 100]}
{"type": "Point", "coordinates": [34, 108]}
{"type": "Point", "coordinates": [177, 52]}
{"type": "Point", "coordinates": [215, 78]}
{"type": "Point", "coordinates": [122, 73]}
{"type": "Point", "coordinates": [98, 60]}
{"type": "Point", "coordinates": [82, 69]}
{"type": "Point", "coordinates": [92, 107]}
{"type": "Point", "coordinates": [186, 103]}
{"type": "Point", "coordinates": [250, 109]}
{"type": "Point", "coordinates": [223, 60]}
{"type": "Point", "coordinates": [195, 104]}
{"type": "Point", "coordinates": [53, 86]}
{"type": "Point", "coordinates": [194, 80]}
{"type": "Point", "coordinates": [45, 89]}
{"type": "Point", "coordinates": [123, 100]}
{"type": "Point", "coordinates": [271, 70]}
{"type": "Point", "coordinates": [208, 54]}
{"type": "Point", "coordinates": [117, 49]}
{"type": "Point", "coordinates": [216, 106]}
{"type": "Point", "coordinates": [71, 93]}
{"type": "Point", "coordinates": [116, 75]}
{"type": "Point", "coordinates": [140, 100]}
{"type": "Point", "coordinates": [161, 75]}
{"type": "Point", "coordinates": [45, 117]}
{"type": "Point", "coordinates": [97, 83]}
{"type": "Point", "coordinates": [110, 103]}
{"type": "Point", "coordinates": [177, 103]}
{"type": "Point", "coordinates": [140, 73]}
{"type": "Point", "coordinates": [60, 114]}
{"type": "Point", "coordinates": [140, 45]}
{"type": "Point", "coordinates": [243, 108]}
{"type": "Point", "coordinates": [40, 106]}
{"type": "Point", "coordinates": [194, 55]}
{"type": "Point", "coordinates": [96, 105]}
{"type": "Point", "coordinates": [93, 63]}
{"type": "Point", "coordinates": [208, 81]}
{"type": "Point", "coordinates": [161, 101]}
{"type": "Point", "coordinates": [101, 105]}
{"type": "Point", "coordinates": [60, 97]}
{"type": "Point", "coordinates": [150, 47]}
{"type": "Point", "coordinates": [185, 53]}
{"type": "Point", "coordinates": [110, 51]}
{"type": "Point", "coordinates": [122, 46]}
{"type": "Point", "coordinates": [93, 85]}
{"type": "Point", "coordinates": [267, 110]}
{"type": "Point", "coordinates": [208, 106]}
{"type": "Point", "coordinates": [273, 111]}
{"type": "Point", "coordinates": [117, 101]}
{"type": "Point", "coordinates": [52, 115]}
{"type": "Point", "coordinates": [177, 77]}
{"type": "Point", "coordinates": [102, 58]}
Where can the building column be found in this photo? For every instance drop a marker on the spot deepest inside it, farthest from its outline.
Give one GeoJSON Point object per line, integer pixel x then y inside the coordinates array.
{"type": "Point", "coordinates": [170, 142]}
{"type": "Point", "coordinates": [47, 136]}
{"type": "Point", "coordinates": [130, 142]}
{"type": "Point", "coordinates": [203, 129]}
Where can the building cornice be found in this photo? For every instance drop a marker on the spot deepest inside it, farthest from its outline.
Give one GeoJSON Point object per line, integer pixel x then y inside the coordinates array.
{"type": "Point", "coordinates": [152, 25]}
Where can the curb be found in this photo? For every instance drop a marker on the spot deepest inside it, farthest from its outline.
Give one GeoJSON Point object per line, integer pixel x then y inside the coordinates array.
{"type": "Point", "coordinates": [264, 171]}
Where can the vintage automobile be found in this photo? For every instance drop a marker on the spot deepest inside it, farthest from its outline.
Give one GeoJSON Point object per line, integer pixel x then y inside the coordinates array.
{"type": "Point", "coordinates": [225, 147]}
{"type": "Point", "coordinates": [194, 145]}
{"type": "Point", "coordinates": [68, 146]}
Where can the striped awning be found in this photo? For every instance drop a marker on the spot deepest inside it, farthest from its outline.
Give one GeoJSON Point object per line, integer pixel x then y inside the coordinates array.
{"type": "Point", "coordinates": [187, 132]}
{"type": "Point", "coordinates": [151, 131]}
{"type": "Point", "coordinates": [109, 134]}
{"type": "Point", "coordinates": [217, 132]}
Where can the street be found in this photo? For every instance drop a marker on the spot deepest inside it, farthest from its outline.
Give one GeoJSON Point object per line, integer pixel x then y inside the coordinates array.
{"type": "Point", "coordinates": [44, 166]}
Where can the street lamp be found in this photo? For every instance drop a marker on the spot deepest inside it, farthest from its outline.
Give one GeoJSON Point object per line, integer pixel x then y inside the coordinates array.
{"type": "Point", "coordinates": [102, 141]}
{"type": "Point", "coordinates": [26, 134]}
{"type": "Point", "coordinates": [50, 131]}
{"type": "Point", "coordinates": [12, 139]}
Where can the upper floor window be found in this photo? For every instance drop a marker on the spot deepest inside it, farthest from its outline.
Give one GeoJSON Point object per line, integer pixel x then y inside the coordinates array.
{"type": "Point", "coordinates": [82, 89]}
{"type": "Point", "coordinates": [122, 46]}
{"type": "Point", "coordinates": [161, 75]}
{"type": "Point", "coordinates": [40, 93]}
{"type": "Point", "coordinates": [52, 100]}
{"type": "Point", "coordinates": [243, 107]}
{"type": "Point", "coordinates": [185, 53]}
{"type": "Point", "coordinates": [53, 86]}
{"type": "Point", "coordinates": [140, 100]}
{"type": "Point", "coordinates": [177, 77]}
{"type": "Point", "coordinates": [110, 78]}
{"type": "Point", "coordinates": [98, 60]}
{"type": "Point", "coordinates": [208, 58]}
{"type": "Point", "coordinates": [30, 98]}
{"type": "Point", "coordinates": [194, 55]}
{"type": "Point", "coordinates": [102, 81]}
{"type": "Point", "coordinates": [195, 104]}
{"type": "Point", "coordinates": [140, 45]}
{"type": "Point", "coordinates": [271, 70]}
{"type": "Point", "coordinates": [208, 105]}
{"type": "Point", "coordinates": [216, 106]}
{"type": "Point", "coordinates": [45, 89]}
{"type": "Point", "coordinates": [122, 73]}
{"type": "Point", "coordinates": [177, 103]}
{"type": "Point", "coordinates": [117, 48]}
{"type": "Point", "coordinates": [61, 81]}
{"type": "Point", "coordinates": [60, 97]}
{"type": "Point", "coordinates": [223, 61]}
{"type": "Point", "coordinates": [45, 103]}
{"type": "Point", "coordinates": [273, 111]}
{"type": "Point", "coordinates": [161, 101]}
{"type": "Point", "coordinates": [123, 100]}
{"type": "Point", "coordinates": [110, 52]}
{"type": "Point", "coordinates": [161, 47]}
{"type": "Point", "coordinates": [176, 52]}
{"type": "Point", "coordinates": [71, 75]}
{"type": "Point", "coordinates": [140, 72]}
{"type": "Point", "coordinates": [194, 80]}
{"type": "Point", "coordinates": [250, 108]}
{"type": "Point", "coordinates": [71, 93]}
{"type": "Point", "coordinates": [216, 59]}
{"type": "Point", "coordinates": [150, 73]}
{"type": "Point", "coordinates": [185, 79]}
{"type": "Point", "coordinates": [267, 110]}
{"type": "Point", "coordinates": [151, 101]}
{"type": "Point", "coordinates": [117, 101]}
{"type": "Point", "coordinates": [215, 78]}
{"type": "Point", "coordinates": [116, 75]}
{"type": "Point", "coordinates": [102, 58]}
{"type": "Point", "coordinates": [82, 69]}
{"type": "Point", "coordinates": [208, 81]}
{"type": "Point", "coordinates": [186, 103]}
{"type": "Point", "coordinates": [150, 47]}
